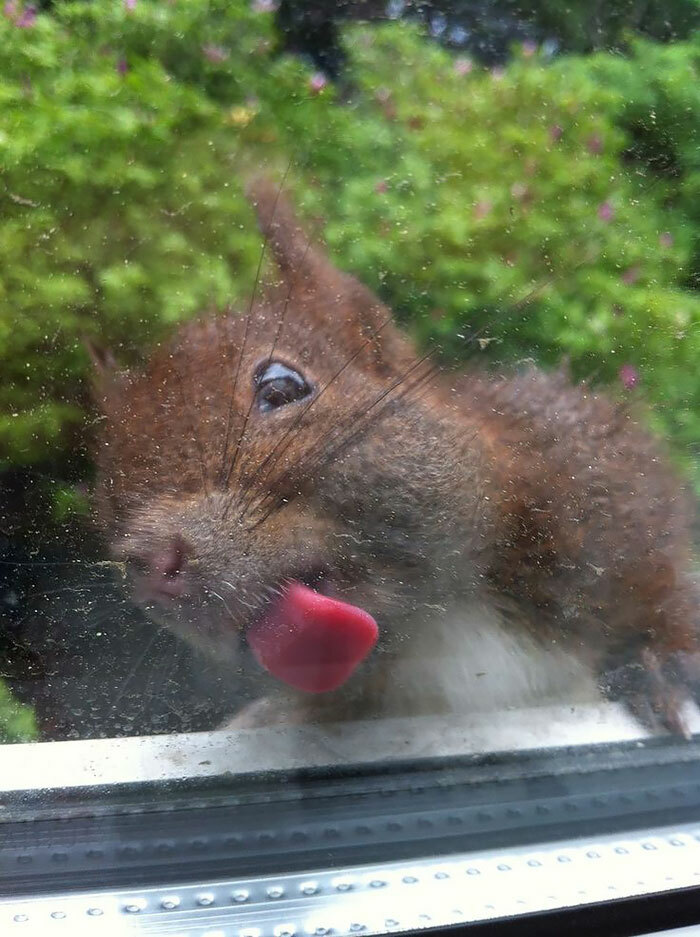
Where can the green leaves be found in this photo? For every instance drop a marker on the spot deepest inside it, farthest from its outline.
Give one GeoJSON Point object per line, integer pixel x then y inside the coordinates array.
{"type": "Point", "coordinates": [17, 722]}
{"type": "Point", "coordinates": [551, 206]}
{"type": "Point", "coordinates": [540, 211]}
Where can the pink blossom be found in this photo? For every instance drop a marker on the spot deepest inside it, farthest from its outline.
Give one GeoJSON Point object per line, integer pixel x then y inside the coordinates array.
{"type": "Point", "coordinates": [518, 190]}
{"type": "Point", "coordinates": [463, 66]}
{"type": "Point", "coordinates": [595, 144]}
{"type": "Point", "coordinates": [10, 9]}
{"type": "Point", "coordinates": [122, 66]}
{"type": "Point", "coordinates": [482, 209]}
{"type": "Point", "coordinates": [529, 48]}
{"type": "Point", "coordinates": [629, 376]}
{"type": "Point", "coordinates": [381, 187]}
{"type": "Point", "coordinates": [556, 133]}
{"type": "Point", "coordinates": [27, 18]}
{"type": "Point", "coordinates": [606, 211]}
{"type": "Point", "coordinates": [215, 54]}
{"type": "Point", "coordinates": [630, 276]}
{"type": "Point", "coordinates": [317, 82]}
{"type": "Point", "coordinates": [666, 239]}
{"type": "Point", "coordinates": [129, 5]}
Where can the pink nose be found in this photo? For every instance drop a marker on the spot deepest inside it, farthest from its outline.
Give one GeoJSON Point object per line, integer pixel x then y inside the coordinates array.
{"type": "Point", "coordinates": [162, 573]}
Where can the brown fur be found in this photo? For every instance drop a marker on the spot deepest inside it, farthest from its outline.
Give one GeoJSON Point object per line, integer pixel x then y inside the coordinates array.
{"type": "Point", "coordinates": [413, 490]}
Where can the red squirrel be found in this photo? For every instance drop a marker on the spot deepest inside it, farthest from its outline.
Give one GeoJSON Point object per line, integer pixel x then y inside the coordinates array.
{"type": "Point", "coordinates": [387, 537]}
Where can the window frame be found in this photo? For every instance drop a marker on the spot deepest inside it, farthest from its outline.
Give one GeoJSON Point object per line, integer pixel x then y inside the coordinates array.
{"type": "Point", "coordinates": [192, 826]}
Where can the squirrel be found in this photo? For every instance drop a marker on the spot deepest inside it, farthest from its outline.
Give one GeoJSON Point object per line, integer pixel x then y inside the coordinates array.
{"type": "Point", "coordinates": [388, 537]}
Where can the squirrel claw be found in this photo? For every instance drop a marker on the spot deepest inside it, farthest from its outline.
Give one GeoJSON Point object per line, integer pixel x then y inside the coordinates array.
{"type": "Point", "coordinates": [654, 694]}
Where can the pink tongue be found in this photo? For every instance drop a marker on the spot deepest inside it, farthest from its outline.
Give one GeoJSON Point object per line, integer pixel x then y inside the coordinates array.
{"type": "Point", "coordinates": [310, 641]}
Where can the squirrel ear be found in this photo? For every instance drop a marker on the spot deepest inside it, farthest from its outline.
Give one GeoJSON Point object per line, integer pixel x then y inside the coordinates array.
{"type": "Point", "coordinates": [299, 261]}
{"type": "Point", "coordinates": [105, 370]}
{"type": "Point", "coordinates": [338, 299]}
{"type": "Point", "coordinates": [102, 358]}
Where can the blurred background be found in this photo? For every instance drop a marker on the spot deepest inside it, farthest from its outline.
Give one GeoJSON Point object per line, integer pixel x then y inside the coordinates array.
{"type": "Point", "coordinates": [517, 182]}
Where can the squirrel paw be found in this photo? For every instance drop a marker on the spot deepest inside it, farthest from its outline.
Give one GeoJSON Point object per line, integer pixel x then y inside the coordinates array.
{"type": "Point", "coordinates": [653, 690]}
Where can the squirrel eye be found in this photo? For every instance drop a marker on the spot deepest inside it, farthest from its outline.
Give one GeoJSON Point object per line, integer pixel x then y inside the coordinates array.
{"type": "Point", "coordinates": [277, 384]}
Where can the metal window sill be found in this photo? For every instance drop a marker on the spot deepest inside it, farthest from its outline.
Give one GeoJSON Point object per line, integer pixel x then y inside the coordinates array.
{"type": "Point", "coordinates": [395, 897]}
{"type": "Point", "coordinates": [491, 818]}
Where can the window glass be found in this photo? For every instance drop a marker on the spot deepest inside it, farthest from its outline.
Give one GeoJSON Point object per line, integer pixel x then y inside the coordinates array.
{"type": "Point", "coordinates": [349, 376]}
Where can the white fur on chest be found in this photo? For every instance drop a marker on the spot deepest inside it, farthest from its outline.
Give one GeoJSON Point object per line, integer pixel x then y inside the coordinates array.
{"type": "Point", "coordinates": [463, 660]}
{"type": "Point", "coordinates": [466, 660]}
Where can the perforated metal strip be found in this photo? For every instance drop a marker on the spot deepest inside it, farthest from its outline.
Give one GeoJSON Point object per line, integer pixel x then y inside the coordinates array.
{"type": "Point", "coordinates": [382, 898]}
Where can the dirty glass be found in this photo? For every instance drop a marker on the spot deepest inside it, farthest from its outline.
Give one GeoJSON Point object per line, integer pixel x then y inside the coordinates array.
{"type": "Point", "coordinates": [349, 367]}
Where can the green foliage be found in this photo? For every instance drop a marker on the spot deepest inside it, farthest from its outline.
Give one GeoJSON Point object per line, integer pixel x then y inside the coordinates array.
{"type": "Point", "coordinates": [550, 209]}
{"type": "Point", "coordinates": [17, 723]}
{"type": "Point", "coordinates": [531, 207]}
{"type": "Point", "coordinates": [581, 26]}
{"type": "Point", "coordinates": [661, 114]}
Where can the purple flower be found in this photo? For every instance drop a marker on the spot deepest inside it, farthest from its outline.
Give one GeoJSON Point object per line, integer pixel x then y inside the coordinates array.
{"type": "Point", "coordinates": [606, 211]}
{"type": "Point", "coordinates": [556, 133]}
{"type": "Point", "coordinates": [264, 6]}
{"type": "Point", "coordinates": [215, 54]}
{"type": "Point", "coordinates": [27, 18]}
{"type": "Point", "coordinates": [122, 66]}
{"type": "Point", "coordinates": [10, 9]}
{"type": "Point", "coordinates": [629, 376]}
{"type": "Point", "coordinates": [529, 48]}
{"type": "Point", "coordinates": [595, 144]}
{"type": "Point", "coordinates": [482, 209]}
{"type": "Point", "coordinates": [630, 276]}
{"type": "Point", "coordinates": [666, 239]}
{"type": "Point", "coordinates": [463, 66]}
{"type": "Point", "coordinates": [129, 5]}
{"type": "Point", "coordinates": [381, 187]}
{"type": "Point", "coordinates": [317, 82]}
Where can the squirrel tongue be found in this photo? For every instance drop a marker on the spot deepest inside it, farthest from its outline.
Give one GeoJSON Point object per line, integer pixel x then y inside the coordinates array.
{"type": "Point", "coordinates": [310, 641]}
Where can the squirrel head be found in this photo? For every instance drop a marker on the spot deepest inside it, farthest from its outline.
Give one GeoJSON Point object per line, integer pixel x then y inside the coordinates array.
{"type": "Point", "coordinates": [288, 445]}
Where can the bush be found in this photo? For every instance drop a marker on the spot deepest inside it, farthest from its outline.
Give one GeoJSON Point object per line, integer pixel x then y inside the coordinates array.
{"type": "Point", "coordinates": [17, 723]}
{"type": "Point", "coordinates": [581, 26]}
{"type": "Point", "coordinates": [526, 206]}
{"type": "Point", "coordinates": [531, 206]}
{"type": "Point", "coordinates": [488, 29]}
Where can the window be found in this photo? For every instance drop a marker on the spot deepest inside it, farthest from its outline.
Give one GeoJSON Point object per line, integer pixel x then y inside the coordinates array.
{"type": "Point", "coordinates": [349, 438]}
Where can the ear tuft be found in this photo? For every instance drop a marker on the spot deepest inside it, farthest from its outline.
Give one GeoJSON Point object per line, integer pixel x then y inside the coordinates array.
{"type": "Point", "coordinates": [263, 194]}
{"type": "Point", "coordinates": [106, 375]}
{"type": "Point", "coordinates": [296, 256]}
{"type": "Point", "coordinates": [103, 361]}
{"type": "Point", "coordinates": [351, 312]}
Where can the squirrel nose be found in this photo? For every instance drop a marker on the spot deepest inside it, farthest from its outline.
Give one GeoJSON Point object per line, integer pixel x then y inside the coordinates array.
{"type": "Point", "coordinates": [161, 573]}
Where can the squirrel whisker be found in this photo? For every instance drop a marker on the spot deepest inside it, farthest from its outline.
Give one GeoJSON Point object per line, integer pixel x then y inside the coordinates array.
{"type": "Point", "coordinates": [327, 454]}
{"type": "Point", "coordinates": [285, 436]}
{"type": "Point", "coordinates": [278, 332]}
{"type": "Point", "coordinates": [249, 316]}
